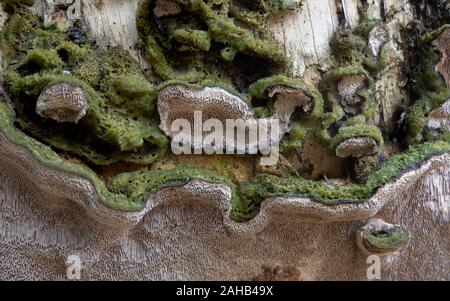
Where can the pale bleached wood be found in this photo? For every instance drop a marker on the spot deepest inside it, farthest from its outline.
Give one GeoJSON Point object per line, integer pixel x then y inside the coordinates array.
{"type": "Point", "coordinates": [305, 33]}
{"type": "Point", "coordinates": [351, 13]}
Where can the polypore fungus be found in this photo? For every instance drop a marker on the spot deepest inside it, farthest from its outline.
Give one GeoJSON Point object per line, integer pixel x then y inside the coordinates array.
{"type": "Point", "coordinates": [442, 44]}
{"type": "Point", "coordinates": [349, 86]}
{"type": "Point", "coordinates": [364, 165]}
{"type": "Point", "coordinates": [357, 147]}
{"type": "Point", "coordinates": [165, 8]}
{"type": "Point", "coordinates": [179, 101]}
{"type": "Point", "coordinates": [380, 238]}
{"type": "Point", "coordinates": [63, 102]}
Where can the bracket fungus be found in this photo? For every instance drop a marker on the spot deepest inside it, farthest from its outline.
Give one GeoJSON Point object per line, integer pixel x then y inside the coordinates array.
{"type": "Point", "coordinates": [62, 102]}
{"type": "Point", "coordinates": [287, 99]}
{"type": "Point", "coordinates": [356, 139]}
{"type": "Point", "coordinates": [381, 238]}
{"type": "Point", "coordinates": [164, 8]}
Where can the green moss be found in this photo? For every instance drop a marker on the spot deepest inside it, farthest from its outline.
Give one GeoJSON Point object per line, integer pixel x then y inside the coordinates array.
{"type": "Point", "coordinates": [71, 52]}
{"type": "Point", "coordinates": [228, 54]}
{"type": "Point", "coordinates": [387, 240]}
{"type": "Point", "coordinates": [196, 38]}
{"type": "Point", "coordinates": [19, 26]}
{"type": "Point", "coordinates": [44, 59]}
{"type": "Point", "coordinates": [267, 6]}
{"type": "Point", "coordinates": [157, 59]}
{"type": "Point", "coordinates": [122, 124]}
{"type": "Point", "coordinates": [246, 198]}
{"type": "Point", "coordinates": [48, 157]}
{"type": "Point", "coordinates": [141, 183]}
{"type": "Point", "coordinates": [223, 30]}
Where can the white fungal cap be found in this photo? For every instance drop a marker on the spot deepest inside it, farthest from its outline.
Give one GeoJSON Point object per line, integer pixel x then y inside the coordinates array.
{"type": "Point", "coordinates": [357, 147]}
{"type": "Point", "coordinates": [287, 99]}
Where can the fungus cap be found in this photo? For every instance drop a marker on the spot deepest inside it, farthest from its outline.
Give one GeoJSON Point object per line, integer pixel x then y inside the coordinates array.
{"type": "Point", "coordinates": [62, 102]}
{"type": "Point", "coordinates": [349, 86]}
{"type": "Point", "coordinates": [381, 238]}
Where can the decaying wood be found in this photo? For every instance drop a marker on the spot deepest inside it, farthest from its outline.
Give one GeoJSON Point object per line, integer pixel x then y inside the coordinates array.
{"type": "Point", "coordinates": [182, 231]}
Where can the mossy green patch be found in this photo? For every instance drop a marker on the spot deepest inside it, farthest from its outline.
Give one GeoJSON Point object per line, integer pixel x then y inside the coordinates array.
{"type": "Point", "coordinates": [351, 46]}
{"type": "Point", "coordinates": [141, 183]}
{"type": "Point", "coordinates": [391, 240]}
